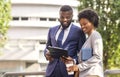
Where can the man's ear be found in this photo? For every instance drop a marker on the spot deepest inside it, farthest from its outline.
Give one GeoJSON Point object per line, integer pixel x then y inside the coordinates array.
{"type": "Point", "coordinates": [72, 16]}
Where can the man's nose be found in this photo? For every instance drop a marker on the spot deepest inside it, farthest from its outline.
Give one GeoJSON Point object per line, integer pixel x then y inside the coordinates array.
{"type": "Point", "coordinates": [65, 19]}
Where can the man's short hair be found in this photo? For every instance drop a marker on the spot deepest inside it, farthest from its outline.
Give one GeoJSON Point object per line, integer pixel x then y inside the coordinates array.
{"type": "Point", "coordinates": [65, 8]}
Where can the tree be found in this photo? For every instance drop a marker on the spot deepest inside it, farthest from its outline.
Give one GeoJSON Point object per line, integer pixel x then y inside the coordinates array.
{"type": "Point", "coordinates": [4, 20]}
{"type": "Point", "coordinates": [109, 14]}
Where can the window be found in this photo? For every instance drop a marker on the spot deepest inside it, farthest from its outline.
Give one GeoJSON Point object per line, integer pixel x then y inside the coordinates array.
{"type": "Point", "coordinates": [42, 42]}
{"type": "Point", "coordinates": [52, 19]}
{"type": "Point", "coordinates": [15, 18]}
{"type": "Point", "coordinates": [43, 19]}
{"type": "Point", "coordinates": [24, 18]}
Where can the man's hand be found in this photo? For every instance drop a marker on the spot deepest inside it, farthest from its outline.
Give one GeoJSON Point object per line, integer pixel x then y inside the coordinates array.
{"type": "Point", "coordinates": [48, 56]}
{"type": "Point", "coordinates": [67, 59]}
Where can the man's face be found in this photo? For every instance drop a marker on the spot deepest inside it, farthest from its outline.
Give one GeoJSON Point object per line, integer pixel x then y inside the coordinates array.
{"type": "Point", "coordinates": [65, 18]}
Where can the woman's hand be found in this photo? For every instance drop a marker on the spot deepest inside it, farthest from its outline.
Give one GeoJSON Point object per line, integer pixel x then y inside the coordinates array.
{"type": "Point", "coordinates": [72, 68]}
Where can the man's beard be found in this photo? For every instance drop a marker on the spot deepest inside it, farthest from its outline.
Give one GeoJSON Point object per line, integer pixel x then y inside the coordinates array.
{"type": "Point", "coordinates": [65, 26]}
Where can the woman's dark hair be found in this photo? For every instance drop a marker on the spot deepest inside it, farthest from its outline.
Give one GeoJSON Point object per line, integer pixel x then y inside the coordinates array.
{"type": "Point", "coordinates": [65, 8]}
{"type": "Point", "coordinates": [90, 15]}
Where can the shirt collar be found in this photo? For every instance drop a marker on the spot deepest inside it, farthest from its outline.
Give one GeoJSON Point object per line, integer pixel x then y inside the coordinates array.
{"type": "Point", "coordinates": [66, 28]}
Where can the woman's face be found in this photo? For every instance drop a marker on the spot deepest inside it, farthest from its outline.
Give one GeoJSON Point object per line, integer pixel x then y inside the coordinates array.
{"type": "Point", "coordinates": [86, 26]}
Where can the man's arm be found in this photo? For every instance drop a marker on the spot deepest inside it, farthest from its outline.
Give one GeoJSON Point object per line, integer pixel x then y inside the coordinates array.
{"type": "Point", "coordinates": [46, 51]}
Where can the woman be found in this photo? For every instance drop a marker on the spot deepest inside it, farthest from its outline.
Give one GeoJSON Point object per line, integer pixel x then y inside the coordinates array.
{"type": "Point", "coordinates": [91, 53]}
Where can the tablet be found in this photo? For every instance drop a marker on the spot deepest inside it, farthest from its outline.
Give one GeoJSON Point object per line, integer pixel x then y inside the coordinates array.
{"type": "Point", "coordinates": [57, 52]}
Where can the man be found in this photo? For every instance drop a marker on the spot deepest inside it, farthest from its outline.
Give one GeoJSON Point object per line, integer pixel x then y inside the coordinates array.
{"type": "Point", "coordinates": [72, 40]}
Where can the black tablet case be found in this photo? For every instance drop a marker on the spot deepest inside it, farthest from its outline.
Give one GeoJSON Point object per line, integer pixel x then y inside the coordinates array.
{"type": "Point", "coordinates": [57, 52]}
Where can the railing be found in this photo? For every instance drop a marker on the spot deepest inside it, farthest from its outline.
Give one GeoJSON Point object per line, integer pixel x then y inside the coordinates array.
{"type": "Point", "coordinates": [107, 72]}
{"type": "Point", "coordinates": [42, 73]}
{"type": "Point", "coordinates": [21, 74]}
